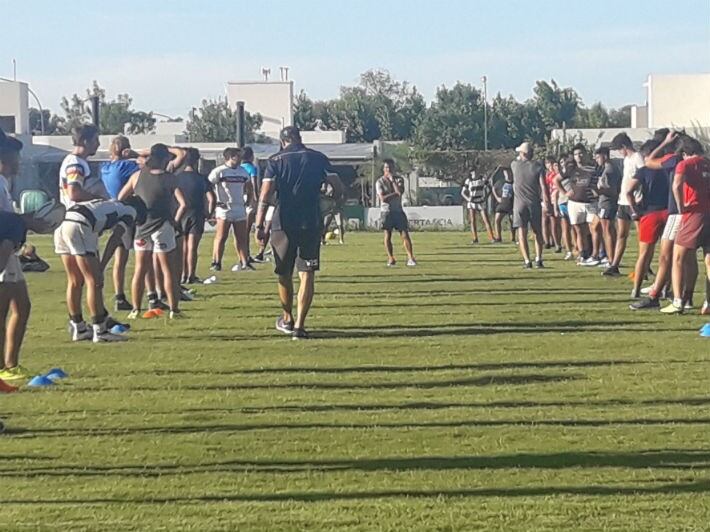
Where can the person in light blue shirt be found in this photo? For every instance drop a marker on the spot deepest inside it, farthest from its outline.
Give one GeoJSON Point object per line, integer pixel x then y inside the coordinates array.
{"type": "Point", "coordinates": [253, 171]}
{"type": "Point", "coordinates": [115, 174]}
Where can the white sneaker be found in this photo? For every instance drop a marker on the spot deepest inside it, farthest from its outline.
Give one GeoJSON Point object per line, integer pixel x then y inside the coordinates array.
{"type": "Point", "coordinates": [411, 262]}
{"type": "Point", "coordinates": [591, 261]}
{"type": "Point", "coordinates": [647, 290]}
{"type": "Point", "coordinates": [80, 331]}
{"type": "Point", "coordinates": [242, 268]}
{"type": "Point", "coordinates": [604, 263]}
{"type": "Point", "coordinates": [569, 255]}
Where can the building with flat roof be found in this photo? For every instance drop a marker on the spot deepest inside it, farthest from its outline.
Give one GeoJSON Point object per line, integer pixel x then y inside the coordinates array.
{"type": "Point", "coordinates": [676, 101]}
{"type": "Point", "coordinates": [14, 107]}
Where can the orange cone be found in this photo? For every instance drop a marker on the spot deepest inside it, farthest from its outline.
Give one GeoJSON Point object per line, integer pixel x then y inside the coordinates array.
{"type": "Point", "coordinates": [7, 388]}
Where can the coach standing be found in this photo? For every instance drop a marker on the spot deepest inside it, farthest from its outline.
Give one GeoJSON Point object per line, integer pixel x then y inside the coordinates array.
{"type": "Point", "coordinates": [293, 180]}
{"type": "Point", "coordinates": [530, 193]}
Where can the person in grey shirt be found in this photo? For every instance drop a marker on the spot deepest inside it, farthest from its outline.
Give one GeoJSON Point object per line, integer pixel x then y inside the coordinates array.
{"type": "Point", "coordinates": [529, 192]}
{"type": "Point", "coordinates": [389, 190]}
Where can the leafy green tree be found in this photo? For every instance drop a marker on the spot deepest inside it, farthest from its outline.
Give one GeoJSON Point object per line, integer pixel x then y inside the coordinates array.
{"type": "Point", "coordinates": [557, 106]}
{"type": "Point", "coordinates": [304, 113]}
{"type": "Point", "coordinates": [454, 121]}
{"type": "Point", "coordinates": [116, 116]}
{"type": "Point", "coordinates": [215, 121]}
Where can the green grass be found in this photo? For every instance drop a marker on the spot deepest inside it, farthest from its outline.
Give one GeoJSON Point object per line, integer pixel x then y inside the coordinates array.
{"type": "Point", "coordinates": [463, 394]}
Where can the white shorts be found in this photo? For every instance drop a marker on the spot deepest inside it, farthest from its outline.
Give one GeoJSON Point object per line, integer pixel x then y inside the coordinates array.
{"type": "Point", "coordinates": [160, 241]}
{"type": "Point", "coordinates": [75, 238]}
{"type": "Point", "coordinates": [233, 214]}
{"type": "Point", "coordinates": [672, 225]}
{"type": "Point", "coordinates": [478, 207]}
{"type": "Point", "coordinates": [13, 271]}
{"type": "Point", "coordinates": [581, 213]}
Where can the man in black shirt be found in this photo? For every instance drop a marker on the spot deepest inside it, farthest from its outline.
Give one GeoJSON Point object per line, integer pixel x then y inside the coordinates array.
{"type": "Point", "coordinates": [196, 189]}
{"type": "Point", "coordinates": [294, 175]}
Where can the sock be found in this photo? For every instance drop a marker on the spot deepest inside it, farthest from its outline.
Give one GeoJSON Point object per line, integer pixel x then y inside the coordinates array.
{"type": "Point", "coordinates": [76, 318]}
{"type": "Point", "coordinates": [120, 297]}
{"type": "Point", "coordinates": [537, 259]}
{"type": "Point", "coordinates": [677, 302]}
{"type": "Point", "coordinates": [96, 320]}
{"type": "Point", "coordinates": [152, 296]}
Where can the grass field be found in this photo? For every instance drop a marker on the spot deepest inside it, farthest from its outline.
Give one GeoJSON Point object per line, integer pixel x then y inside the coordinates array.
{"type": "Point", "coordinates": [464, 394]}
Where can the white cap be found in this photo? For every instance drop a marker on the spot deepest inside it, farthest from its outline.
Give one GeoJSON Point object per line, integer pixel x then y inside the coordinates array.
{"type": "Point", "coordinates": [525, 147]}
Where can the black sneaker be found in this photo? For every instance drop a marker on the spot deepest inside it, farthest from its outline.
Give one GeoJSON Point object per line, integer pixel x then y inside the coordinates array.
{"type": "Point", "coordinates": [527, 265]}
{"type": "Point", "coordinates": [539, 264]}
{"type": "Point", "coordinates": [157, 304]}
{"type": "Point", "coordinates": [216, 267]}
{"type": "Point", "coordinates": [645, 303]}
{"type": "Point", "coordinates": [194, 280]}
{"type": "Point", "coordinates": [122, 304]}
{"type": "Point", "coordinates": [299, 334]}
{"type": "Point", "coordinates": [611, 271]}
{"type": "Point", "coordinates": [284, 326]}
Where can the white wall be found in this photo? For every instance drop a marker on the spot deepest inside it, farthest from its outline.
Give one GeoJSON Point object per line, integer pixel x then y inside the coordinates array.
{"type": "Point", "coordinates": [678, 100]}
{"type": "Point", "coordinates": [14, 102]}
{"type": "Point", "coordinates": [272, 99]}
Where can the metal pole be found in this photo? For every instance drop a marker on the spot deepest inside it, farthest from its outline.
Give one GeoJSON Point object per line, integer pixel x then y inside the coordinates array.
{"type": "Point", "coordinates": [240, 125]}
{"type": "Point", "coordinates": [485, 113]}
{"type": "Point", "coordinates": [95, 111]}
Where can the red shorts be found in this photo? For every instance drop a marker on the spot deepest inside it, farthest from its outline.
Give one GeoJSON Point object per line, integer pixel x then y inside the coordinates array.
{"type": "Point", "coordinates": [694, 231]}
{"type": "Point", "coordinates": [651, 226]}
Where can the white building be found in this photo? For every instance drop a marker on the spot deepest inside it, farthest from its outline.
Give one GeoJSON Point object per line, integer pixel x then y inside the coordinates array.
{"type": "Point", "coordinates": [679, 101]}
{"type": "Point", "coordinates": [14, 107]}
{"type": "Point", "coordinates": [273, 100]}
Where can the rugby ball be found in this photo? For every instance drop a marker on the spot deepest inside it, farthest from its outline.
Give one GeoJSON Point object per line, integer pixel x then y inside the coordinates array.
{"type": "Point", "coordinates": [50, 216]}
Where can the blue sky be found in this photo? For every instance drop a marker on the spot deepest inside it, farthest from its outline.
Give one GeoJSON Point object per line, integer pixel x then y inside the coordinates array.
{"type": "Point", "coordinates": [170, 54]}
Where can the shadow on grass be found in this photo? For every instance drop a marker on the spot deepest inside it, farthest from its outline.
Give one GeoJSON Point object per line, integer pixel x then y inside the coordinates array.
{"type": "Point", "coordinates": [406, 369]}
{"type": "Point", "coordinates": [206, 429]}
{"type": "Point", "coordinates": [486, 380]}
{"type": "Point", "coordinates": [650, 459]}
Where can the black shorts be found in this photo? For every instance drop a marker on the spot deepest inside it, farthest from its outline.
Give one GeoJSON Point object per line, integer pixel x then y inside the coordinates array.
{"type": "Point", "coordinates": [607, 210]}
{"type": "Point", "coordinates": [395, 221]}
{"type": "Point", "coordinates": [192, 224]}
{"type": "Point", "coordinates": [299, 249]}
{"type": "Point", "coordinates": [624, 213]}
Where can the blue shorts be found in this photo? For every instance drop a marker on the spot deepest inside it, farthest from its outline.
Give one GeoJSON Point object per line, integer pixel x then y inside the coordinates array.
{"type": "Point", "coordinates": [564, 211]}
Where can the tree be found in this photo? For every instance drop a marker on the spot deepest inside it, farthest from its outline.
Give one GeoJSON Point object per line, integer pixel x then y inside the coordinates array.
{"type": "Point", "coordinates": [454, 121]}
{"type": "Point", "coordinates": [557, 106]}
{"type": "Point", "coordinates": [52, 123]}
{"type": "Point", "coordinates": [115, 117]}
{"type": "Point", "coordinates": [215, 121]}
{"type": "Point", "coordinates": [304, 114]}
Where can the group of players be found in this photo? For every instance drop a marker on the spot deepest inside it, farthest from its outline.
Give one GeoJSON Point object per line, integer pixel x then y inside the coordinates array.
{"type": "Point", "coordinates": [156, 203]}
{"type": "Point", "coordinates": [587, 209]}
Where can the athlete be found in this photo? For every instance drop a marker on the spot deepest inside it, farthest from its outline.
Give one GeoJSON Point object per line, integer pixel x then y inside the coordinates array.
{"type": "Point", "coordinates": [691, 189]}
{"type": "Point", "coordinates": [77, 184]}
{"type": "Point", "coordinates": [530, 197]}
{"type": "Point", "coordinates": [14, 297]}
{"type": "Point", "coordinates": [295, 174]}
{"type": "Point", "coordinates": [200, 204]}
{"type": "Point", "coordinates": [389, 190]}
{"type": "Point", "coordinates": [651, 212]}
{"type": "Point", "coordinates": [115, 174]}
{"type": "Point", "coordinates": [156, 187]}
{"type": "Point", "coordinates": [231, 184]}
{"type": "Point", "coordinates": [331, 207]}
{"type": "Point", "coordinates": [504, 206]}
{"type": "Point", "coordinates": [608, 187]}
{"type": "Point", "coordinates": [632, 162]}
{"type": "Point", "coordinates": [253, 171]}
{"type": "Point", "coordinates": [77, 241]}
{"type": "Point", "coordinates": [475, 192]}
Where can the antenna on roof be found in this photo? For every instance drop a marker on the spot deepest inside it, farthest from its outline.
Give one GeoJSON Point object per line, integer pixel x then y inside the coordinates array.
{"type": "Point", "coordinates": [266, 72]}
{"type": "Point", "coordinates": [284, 73]}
